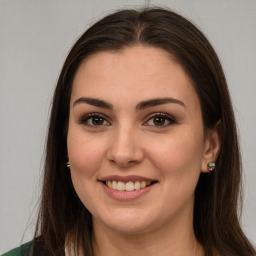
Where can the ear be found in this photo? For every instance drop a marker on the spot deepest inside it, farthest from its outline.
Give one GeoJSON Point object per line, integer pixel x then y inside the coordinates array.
{"type": "Point", "coordinates": [212, 146]}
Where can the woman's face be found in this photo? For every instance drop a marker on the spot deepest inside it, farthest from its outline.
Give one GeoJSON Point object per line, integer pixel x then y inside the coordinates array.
{"type": "Point", "coordinates": [136, 142]}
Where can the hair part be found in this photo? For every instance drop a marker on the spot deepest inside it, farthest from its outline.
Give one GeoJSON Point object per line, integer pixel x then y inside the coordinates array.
{"type": "Point", "coordinates": [216, 223]}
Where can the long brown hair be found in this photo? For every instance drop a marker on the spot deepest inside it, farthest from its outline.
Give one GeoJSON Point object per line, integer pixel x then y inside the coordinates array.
{"type": "Point", "coordinates": [217, 195]}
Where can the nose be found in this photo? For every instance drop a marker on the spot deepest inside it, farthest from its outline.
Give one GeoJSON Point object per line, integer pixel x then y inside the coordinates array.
{"type": "Point", "coordinates": [125, 149]}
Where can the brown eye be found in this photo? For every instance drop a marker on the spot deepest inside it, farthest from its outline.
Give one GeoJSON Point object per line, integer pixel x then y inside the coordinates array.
{"type": "Point", "coordinates": [160, 120]}
{"type": "Point", "coordinates": [97, 120]}
{"type": "Point", "coordinates": [94, 120]}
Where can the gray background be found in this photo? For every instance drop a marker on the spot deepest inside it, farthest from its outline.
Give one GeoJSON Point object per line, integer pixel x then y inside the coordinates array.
{"type": "Point", "coordinates": [35, 37]}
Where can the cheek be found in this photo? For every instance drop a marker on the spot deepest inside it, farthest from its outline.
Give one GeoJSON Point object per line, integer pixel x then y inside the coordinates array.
{"type": "Point", "coordinates": [84, 154]}
{"type": "Point", "coordinates": [179, 156]}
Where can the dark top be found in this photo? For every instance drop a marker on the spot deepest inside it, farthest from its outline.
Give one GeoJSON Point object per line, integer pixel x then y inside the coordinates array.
{"type": "Point", "coordinates": [33, 248]}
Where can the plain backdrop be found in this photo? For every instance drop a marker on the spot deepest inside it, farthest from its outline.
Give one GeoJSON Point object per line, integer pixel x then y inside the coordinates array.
{"type": "Point", "coordinates": [35, 37]}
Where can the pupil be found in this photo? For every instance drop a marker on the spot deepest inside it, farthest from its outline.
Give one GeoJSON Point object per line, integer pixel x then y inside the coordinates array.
{"type": "Point", "coordinates": [159, 121]}
{"type": "Point", "coordinates": [97, 121]}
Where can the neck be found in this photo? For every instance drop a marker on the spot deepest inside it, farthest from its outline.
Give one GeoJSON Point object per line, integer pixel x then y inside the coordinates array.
{"type": "Point", "coordinates": [165, 241]}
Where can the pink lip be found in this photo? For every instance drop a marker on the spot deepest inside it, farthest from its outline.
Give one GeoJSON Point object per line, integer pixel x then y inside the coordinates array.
{"type": "Point", "coordinates": [132, 178]}
{"type": "Point", "coordinates": [126, 195]}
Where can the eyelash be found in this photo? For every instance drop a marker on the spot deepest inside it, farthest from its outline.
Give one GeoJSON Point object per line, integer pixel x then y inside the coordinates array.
{"type": "Point", "coordinates": [166, 117]}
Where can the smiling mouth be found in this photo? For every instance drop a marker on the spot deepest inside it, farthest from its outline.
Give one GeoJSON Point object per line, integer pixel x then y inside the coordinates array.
{"type": "Point", "coordinates": [128, 186]}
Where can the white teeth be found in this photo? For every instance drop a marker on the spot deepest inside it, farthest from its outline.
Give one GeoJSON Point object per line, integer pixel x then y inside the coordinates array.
{"type": "Point", "coordinates": [127, 186]}
{"type": "Point", "coordinates": [137, 185]}
{"type": "Point", "coordinates": [143, 184]}
{"type": "Point", "coordinates": [114, 184]}
{"type": "Point", "coordinates": [120, 185]}
{"type": "Point", "coordinates": [109, 184]}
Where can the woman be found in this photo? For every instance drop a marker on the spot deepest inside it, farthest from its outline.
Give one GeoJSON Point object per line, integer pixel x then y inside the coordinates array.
{"type": "Point", "coordinates": [142, 152]}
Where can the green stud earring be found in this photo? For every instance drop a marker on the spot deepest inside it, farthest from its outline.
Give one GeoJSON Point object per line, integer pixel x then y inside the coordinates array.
{"type": "Point", "coordinates": [211, 166]}
{"type": "Point", "coordinates": [68, 165]}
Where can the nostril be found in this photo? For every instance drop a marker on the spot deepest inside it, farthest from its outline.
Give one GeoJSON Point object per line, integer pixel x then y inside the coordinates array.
{"type": "Point", "coordinates": [123, 163]}
{"type": "Point", "coordinates": [124, 153]}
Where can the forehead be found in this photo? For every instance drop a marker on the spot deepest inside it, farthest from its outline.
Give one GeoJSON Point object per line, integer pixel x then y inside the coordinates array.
{"type": "Point", "coordinates": [134, 73]}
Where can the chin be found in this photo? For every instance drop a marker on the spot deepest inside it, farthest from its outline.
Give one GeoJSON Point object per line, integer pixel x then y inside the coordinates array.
{"type": "Point", "coordinates": [128, 228]}
{"type": "Point", "coordinates": [125, 222]}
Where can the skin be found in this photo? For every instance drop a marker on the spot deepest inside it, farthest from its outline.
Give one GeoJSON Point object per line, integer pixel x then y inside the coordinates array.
{"type": "Point", "coordinates": [130, 141]}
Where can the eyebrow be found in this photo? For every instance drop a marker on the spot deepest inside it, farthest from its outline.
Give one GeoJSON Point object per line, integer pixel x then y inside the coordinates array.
{"type": "Point", "coordinates": [142, 105]}
{"type": "Point", "coordinates": [94, 102]}
{"type": "Point", "coordinates": [156, 102]}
